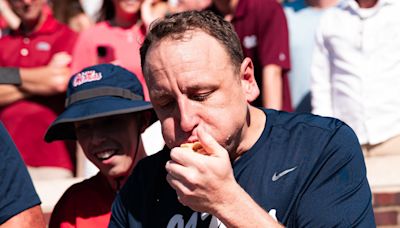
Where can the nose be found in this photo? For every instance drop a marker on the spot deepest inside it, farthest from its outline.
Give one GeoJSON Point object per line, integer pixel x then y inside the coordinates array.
{"type": "Point", "coordinates": [27, 1]}
{"type": "Point", "coordinates": [188, 118]}
{"type": "Point", "coordinates": [97, 137]}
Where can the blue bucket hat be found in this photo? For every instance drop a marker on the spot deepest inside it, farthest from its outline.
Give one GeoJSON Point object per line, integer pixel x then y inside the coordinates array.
{"type": "Point", "coordinates": [97, 91]}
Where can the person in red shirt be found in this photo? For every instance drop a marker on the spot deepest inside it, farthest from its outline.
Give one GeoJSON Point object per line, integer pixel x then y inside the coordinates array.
{"type": "Point", "coordinates": [106, 112]}
{"type": "Point", "coordinates": [116, 39]}
{"type": "Point", "coordinates": [262, 29]}
{"type": "Point", "coordinates": [40, 48]}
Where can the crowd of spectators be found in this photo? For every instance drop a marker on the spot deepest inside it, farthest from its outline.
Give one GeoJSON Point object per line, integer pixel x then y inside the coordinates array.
{"type": "Point", "coordinates": [335, 58]}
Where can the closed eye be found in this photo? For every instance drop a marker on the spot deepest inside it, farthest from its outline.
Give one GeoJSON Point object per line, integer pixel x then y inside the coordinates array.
{"type": "Point", "coordinates": [200, 96]}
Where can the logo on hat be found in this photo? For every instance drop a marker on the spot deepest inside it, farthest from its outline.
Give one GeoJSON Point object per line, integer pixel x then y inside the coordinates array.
{"type": "Point", "coordinates": [86, 76]}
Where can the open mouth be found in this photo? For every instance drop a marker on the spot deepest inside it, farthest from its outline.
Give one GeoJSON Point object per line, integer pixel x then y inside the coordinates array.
{"type": "Point", "coordinates": [104, 155]}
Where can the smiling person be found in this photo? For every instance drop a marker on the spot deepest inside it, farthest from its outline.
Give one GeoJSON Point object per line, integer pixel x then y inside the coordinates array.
{"type": "Point", "coordinates": [105, 111]}
{"type": "Point", "coordinates": [260, 168]}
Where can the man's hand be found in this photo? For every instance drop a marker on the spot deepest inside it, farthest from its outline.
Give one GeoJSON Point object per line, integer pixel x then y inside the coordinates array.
{"type": "Point", "coordinates": [202, 182]}
{"type": "Point", "coordinates": [205, 183]}
{"type": "Point", "coordinates": [50, 79]}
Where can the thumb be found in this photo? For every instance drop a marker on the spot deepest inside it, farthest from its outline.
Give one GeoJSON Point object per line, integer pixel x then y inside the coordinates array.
{"type": "Point", "coordinates": [210, 145]}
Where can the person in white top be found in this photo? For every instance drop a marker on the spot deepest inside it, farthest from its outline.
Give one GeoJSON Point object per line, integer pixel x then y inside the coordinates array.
{"type": "Point", "coordinates": [355, 73]}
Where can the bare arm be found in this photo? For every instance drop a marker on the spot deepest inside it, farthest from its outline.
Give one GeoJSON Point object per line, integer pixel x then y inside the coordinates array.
{"type": "Point", "coordinates": [10, 94]}
{"type": "Point", "coordinates": [250, 213]}
{"type": "Point", "coordinates": [272, 87]}
{"type": "Point", "coordinates": [30, 218]}
{"type": "Point", "coordinates": [13, 21]}
{"type": "Point", "coordinates": [46, 80]}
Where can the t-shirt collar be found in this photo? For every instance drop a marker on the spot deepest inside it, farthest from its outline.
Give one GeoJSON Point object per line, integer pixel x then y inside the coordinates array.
{"type": "Point", "coordinates": [353, 5]}
{"type": "Point", "coordinates": [48, 26]}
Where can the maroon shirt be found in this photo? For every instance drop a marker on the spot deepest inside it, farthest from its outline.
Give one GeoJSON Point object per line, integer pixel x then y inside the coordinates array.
{"type": "Point", "coordinates": [262, 29]}
{"type": "Point", "coordinates": [27, 120]}
{"type": "Point", "coordinates": [85, 204]}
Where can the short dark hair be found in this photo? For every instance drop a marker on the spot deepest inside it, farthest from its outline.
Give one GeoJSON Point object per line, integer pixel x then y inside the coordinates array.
{"type": "Point", "coordinates": [176, 25]}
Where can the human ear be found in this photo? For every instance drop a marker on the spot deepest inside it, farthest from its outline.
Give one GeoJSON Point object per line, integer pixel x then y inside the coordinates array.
{"type": "Point", "coordinates": [248, 81]}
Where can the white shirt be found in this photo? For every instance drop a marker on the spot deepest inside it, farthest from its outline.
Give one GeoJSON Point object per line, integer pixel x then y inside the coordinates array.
{"type": "Point", "coordinates": [355, 74]}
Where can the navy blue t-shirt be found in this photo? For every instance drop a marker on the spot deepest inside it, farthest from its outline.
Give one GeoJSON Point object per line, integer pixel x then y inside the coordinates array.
{"type": "Point", "coordinates": [16, 188]}
{"type": "Point", "coordinates": [308, 169]}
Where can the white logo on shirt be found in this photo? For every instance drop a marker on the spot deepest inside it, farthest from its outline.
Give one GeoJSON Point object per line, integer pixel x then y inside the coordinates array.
{"type": "Point", "coordinates": [282, 56]}
{"type": "Point", "coordinates": [277, 176]}
{"type": "Point", "coordinates": [177, 220]}
{"type": "Point", "coordinates": [272, 213]}
{"type": "Point", "coordinates": [43, 46]}
{"type": "Point", "coordinates": [250, 41]}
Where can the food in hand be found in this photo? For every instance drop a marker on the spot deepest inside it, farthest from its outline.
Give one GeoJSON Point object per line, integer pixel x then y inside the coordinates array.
{"type": "Point", "coordinates": [196, 147]}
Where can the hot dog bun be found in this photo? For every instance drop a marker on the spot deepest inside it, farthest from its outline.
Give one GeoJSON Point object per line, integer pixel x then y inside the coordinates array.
{"type": "Point", "coordinates": [196, 147]}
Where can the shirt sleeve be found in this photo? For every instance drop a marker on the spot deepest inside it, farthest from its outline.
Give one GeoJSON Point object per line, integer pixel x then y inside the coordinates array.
{"type": "Point", "coordinates": [321, 98]}
{"type": "Point", "coordinates": [118, 214]}
{"type": "Point", "coordinates": [273, 35]}
{"type": "Point", "coordinates": [17, 192]}
{"type": "Point", "coordinates": [338, 193]}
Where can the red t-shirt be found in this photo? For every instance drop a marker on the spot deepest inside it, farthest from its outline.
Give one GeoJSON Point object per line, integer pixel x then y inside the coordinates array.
{"type": "Point", "coordinates": [262, 29]}
{"type": "Point", "coordinates": [119, 46]}
{"type": "Point", "coordinates": [27, 120]}
{"type": "Point", "coordinates": [85, 204]}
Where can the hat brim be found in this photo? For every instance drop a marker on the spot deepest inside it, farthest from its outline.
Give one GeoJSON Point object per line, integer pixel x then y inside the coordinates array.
{"type": "Point", "coordinates": [63, 127]}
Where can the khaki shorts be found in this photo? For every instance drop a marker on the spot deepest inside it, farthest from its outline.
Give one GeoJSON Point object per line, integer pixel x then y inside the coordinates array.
{"type": "Point", "coordinates": [386, 148]}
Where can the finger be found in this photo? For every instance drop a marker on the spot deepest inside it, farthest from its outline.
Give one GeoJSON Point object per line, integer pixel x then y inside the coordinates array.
{"type": "Point", "coordinates": [178, 171]}
{"type": "Point", "coordinates": [185, 175]}
{"type": "Point", "coordinates": [185, 156]}
{"type": "Point", "coordinates": [210, 144]}
{"type": "Point", "coordinates": [180, 187]}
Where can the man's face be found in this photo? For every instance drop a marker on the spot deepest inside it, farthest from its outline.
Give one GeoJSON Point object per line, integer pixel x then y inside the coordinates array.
{"type": "Point", "coordinates": [111, 143]}
{"type": "Point", "coordinates": [185, 5]}
{"type": "Point", "coordinates": [27, 10]}
{"type": "Point", "coordinates": [127, 6]}
{"type": "Point", "coordinates": [193, 84]}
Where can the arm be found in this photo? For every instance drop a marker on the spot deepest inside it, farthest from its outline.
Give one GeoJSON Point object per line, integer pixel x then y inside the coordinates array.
{"type": "Point", "coordinates": [273, 53]}
{"type": "Point", "coordinates": [197, 180]}
{"type": "Point", "coordinates": [250, 213]}
{"type": "Point", "coordinates": [321, 98]}
{"type": "Point", "coordinates": [19, 203]}
{"type": "Point", "coordinates": [272, 86]}
{"type": "Point", "coordinates": [30, 218]}
{"type": "Point", "coordinates": [13, 21]}
{"type": "Point", "coordinates": [10, 94]}
{"type": "Point", "coordinates": [47, 80]}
